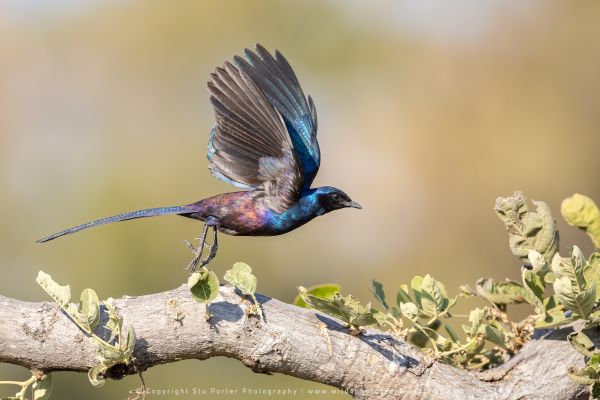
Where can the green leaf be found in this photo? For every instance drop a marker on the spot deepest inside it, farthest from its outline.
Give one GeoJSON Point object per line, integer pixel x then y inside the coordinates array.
{"type": "Point", "coordinates": [354, 312]}
{"type": "Point", "coordinates": [89, 313]}
{"type": "Point", "coordinates": [538, 263]}
{"type": "Point", "coordinates": [588, 375]}
{"type": "Point", "coordinates": [494, 334]}
{"type": "Point", "coordinates": [60, 294]}
{"type": "Point", "coordinates": [442, 343]}
{"type": "Point", "coordinates": [363, 319]}
{"type": "Point", "coordinates": [415, 285]}
{"type": "Point", "coordinates": [379, 316]}
{"type": "Point", "coordinates": [241, 277]}
{"type": "Point", "coordinates": [113, 324]}
{"type": "Point", "coordinates": [500, 293]}
{"type": "Point", "coordinates": [555, 314]}
{"type": "Point", "coordinates": [358, 314]}
{"type": "Point", "coordinates": [379, 293]}
{"type": "Point", "coordinates": [402, 296]}
{"type": "Point", "coordinates": [42, 389]}
{"type": "Point", "coordinates": [581, 211]}
{"type": "Point", "coordinates": [594, 363]}
{"type": "Point", "coordinates": [323, 305]}
{"type": "Point", "coordinates": [571, 268]}
{"type": "Point", "coordinates": [110, 355]}
{"type": "Point", "coordinates": [581, 377]}
{"type": "Point", "coordinates": [591, 272]}
{"type": "Point", "coordinates": [534, 286]}
{"type": "Point", "coordinates": [595, 390]}
{"type": "Point", "coordinates": [582, 343]}
{"type": "Point", "coordinates": [129, 345]}
{"type": "Point", "coordinates": [476, 318]}
{"type": "Point", "coordinates": [528, 230]}
{"type": "Point", "coordinates": [204, 286]}
{"type": "Point", "coordinates": [579, 302]}
{"type": "Point", "coordinates": [409, 310]}
{"type": "Point", "coordinates": [570, 286]}
{"type": "Point", "coordinates": [94, 375]}
{"type": "Point", "coordinates": [324, 291]}
{"type": "Point", "coordinates": [347, 309]}
{"type": "Point", "coordinates": [432, 299]}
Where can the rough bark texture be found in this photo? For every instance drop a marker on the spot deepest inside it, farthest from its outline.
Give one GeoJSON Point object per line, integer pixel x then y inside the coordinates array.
{"type": "Point", "coordinates": [290, 340]}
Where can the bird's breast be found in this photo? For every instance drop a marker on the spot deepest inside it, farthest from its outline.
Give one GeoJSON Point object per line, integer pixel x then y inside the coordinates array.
{"type": "Point", "coordinates": [248, 214]}
{"type": "Point", "coordinates": [238, 213]}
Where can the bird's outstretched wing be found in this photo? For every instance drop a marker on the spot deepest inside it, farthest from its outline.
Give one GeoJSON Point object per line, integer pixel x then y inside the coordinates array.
{"type": "Point", "coordinates": [250, 145]}
{"type": "Point", "coordinates": [275, 77]}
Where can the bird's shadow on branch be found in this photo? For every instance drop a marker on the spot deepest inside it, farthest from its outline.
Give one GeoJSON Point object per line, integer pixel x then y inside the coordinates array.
{"type": "Point", "coordinates": [385, 344]}
{"type": "Point", "coordinates": [224, 311]}
{"type": "Point", "coordinates": [231, 312]}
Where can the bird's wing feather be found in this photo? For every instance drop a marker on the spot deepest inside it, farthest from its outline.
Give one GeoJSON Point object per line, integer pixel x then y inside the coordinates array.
{"type": "Point", "coordinates": [250, 146]}
{"type": "Point", "coordinates": [275, 77]}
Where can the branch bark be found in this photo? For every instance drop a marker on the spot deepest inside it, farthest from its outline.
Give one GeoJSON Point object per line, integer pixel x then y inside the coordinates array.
{"type": "Point", "coordinates": [291, 340]}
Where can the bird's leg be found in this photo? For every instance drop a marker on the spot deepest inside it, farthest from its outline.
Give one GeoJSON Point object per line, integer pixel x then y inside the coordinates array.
{"type": "Point", "coordinates": [197, 261]}
{"type": "Point", "coordinates": [189, 245]}
{"type": "Point", "coordinates": [198, 252]}
{"type": "Point", "coordinates": [213, 249]}
{"type": "Point", "coordinates": [192, 248]}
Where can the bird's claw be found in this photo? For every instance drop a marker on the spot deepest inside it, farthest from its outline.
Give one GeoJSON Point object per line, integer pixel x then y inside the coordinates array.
{"type": "Point", "coordinates": [193, 249]}
{"type": "Point", "coordinates": [199, 262]}
{"type": "Point", "coordinates": [189, 245]}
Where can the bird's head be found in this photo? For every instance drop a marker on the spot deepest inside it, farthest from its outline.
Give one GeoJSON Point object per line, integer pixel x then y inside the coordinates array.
{"type": "Point", "coordinates": [328, 198]}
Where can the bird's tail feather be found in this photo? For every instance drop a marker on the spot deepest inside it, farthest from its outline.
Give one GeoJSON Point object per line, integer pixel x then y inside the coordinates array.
{"type": "Point", "coordinates": [149, 212]}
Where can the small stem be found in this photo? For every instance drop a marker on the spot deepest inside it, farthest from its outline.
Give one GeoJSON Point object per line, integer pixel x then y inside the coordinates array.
{"type": "Point", "coordinates": [24, 385]}
{"type": "Point", "coordinates": [422, 329]}
{"type": "Point", "coordinates": [257, 306]}
{"type": "Point", "coordinates": [389, 315]}
{"type": "Point", "coordinates": [458, 349]}
{"type": "Point", "coordinates": [391, 325]}
{"type": "Point", "coordinates": [91, 333]}
{"type": "Point", "coordinates": [207, 312]}
{"type": "Point", "coordinates": [18, 383]}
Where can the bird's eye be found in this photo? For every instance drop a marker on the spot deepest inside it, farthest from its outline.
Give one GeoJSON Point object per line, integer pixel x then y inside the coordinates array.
{"type": "Point", "coordinates": [335, 196]}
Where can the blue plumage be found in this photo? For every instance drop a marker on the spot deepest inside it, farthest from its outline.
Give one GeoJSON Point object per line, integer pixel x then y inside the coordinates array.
{"type": "Point", "coordinates": [264, 141]}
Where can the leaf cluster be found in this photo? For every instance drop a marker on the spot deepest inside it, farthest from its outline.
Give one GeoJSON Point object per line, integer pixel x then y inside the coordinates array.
{"type": "Point", "coordinates": [419, 313]}
{"type": "Point", "coordinates": [574, 280]}
{"type": "Point", "coordinates": [117, 349]}
{"type": "Point", "coordinates": [40, 386]}
{"type": "Point", "coordinates": [204, 285]}
{"type": "Point", "coordinates": [560, 290]}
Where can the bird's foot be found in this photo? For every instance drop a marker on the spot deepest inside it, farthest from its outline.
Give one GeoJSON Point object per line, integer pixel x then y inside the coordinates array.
{"type": "Point", "coordinates": [193, 265]}
{"type": "Point", "coordinates": [191, 246]}
{"type": "Point", "coordinates": [198, 261]}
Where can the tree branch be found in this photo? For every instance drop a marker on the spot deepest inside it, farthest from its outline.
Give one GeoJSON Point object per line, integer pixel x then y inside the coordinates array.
{"type": "Point", "coordinates": [171, 326]}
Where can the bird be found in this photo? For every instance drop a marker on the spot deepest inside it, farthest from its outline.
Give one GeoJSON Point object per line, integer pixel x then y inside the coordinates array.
{"type": "Point", "coordinates": [265, 143]}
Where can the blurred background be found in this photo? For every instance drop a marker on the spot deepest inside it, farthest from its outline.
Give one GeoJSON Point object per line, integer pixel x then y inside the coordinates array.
{"type": "Point", "coordinates": [427, 112]}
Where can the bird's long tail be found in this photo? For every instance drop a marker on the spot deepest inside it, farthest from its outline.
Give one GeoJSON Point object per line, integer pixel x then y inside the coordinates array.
{"type": "Point", "coordinates": [149, 212]}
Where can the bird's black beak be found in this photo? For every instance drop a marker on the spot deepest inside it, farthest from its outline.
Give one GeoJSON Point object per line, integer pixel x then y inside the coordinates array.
{"type": "Point", "coordinates": [354, 204]}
